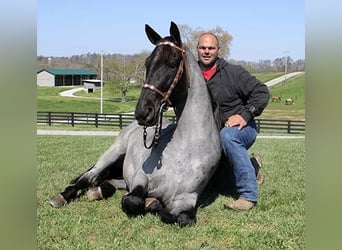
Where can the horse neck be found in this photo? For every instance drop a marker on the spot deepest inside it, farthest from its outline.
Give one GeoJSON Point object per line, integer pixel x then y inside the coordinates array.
{"type": "Point", "coordinates": [197, 109]}
{"type": "Point", "coordinates": [179, 96]}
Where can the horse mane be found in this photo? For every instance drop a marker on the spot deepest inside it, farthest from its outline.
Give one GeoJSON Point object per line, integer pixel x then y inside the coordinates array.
{"type": "Point", "coordinates": [217, 114]}
{"type": "Point", "coordinates": [214, 104]}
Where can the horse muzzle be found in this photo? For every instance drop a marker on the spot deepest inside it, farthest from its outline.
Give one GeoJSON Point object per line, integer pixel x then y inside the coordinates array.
{"type": "Point", "coordinates": [147, 116]}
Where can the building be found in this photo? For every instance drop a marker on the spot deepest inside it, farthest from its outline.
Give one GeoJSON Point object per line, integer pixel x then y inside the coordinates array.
{"type": "Point", "coordinates": [91, 85]}
{"type": "Point", "coordinates": [64, 77]}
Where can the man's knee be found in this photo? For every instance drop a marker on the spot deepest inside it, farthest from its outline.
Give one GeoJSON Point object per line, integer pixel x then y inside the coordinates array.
{"type": "Point", "coordinates": [228, 134]}
{"type": "Point", "coordinates": [228, 137]}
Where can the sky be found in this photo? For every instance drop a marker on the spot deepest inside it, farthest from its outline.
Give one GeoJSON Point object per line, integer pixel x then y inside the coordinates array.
{"type": "Point", "coordinates": [261, 30]}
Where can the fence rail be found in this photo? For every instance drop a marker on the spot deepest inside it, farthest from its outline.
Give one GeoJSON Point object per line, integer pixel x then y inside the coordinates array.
{"type": "Point", "coordinates": [122, 120]}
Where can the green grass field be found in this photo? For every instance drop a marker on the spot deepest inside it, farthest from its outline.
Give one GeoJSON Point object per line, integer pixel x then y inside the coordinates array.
{"type": "Point", "coordinates": [49, 100]}
{"type": "Point", "coordinates": [295, 89]}
{"type": "Point", "coordinates": [276, 223]}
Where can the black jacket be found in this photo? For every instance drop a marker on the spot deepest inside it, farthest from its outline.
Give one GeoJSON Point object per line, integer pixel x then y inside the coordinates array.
{"type": "Point", "coordinates": [237, 92]}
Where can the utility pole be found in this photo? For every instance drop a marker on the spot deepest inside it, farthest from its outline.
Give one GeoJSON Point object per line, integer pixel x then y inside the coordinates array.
{"type": "Point", "coordinates": [101, 109]}
{"type": "Point", "coordinates": [286, 57]}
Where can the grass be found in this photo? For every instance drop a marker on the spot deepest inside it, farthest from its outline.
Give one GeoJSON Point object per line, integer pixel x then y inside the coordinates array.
{"type": "Point", "coordinates": [267, 76]}
{"type": "Point", "coordinates": [276, 223]}
{"type": "Point", "coordinates": [49, 100]}
{"type": "Point", "coordinates": [295, 89]}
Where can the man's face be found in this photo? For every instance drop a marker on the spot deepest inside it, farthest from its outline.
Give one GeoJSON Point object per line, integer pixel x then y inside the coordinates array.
{"type": "Point", "coordinates": [207, 50]}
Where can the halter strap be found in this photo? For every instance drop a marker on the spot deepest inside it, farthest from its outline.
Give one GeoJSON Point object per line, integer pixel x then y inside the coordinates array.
{"type": "Point", "coordinates": [172, 45]}
{"type": "Point", "coordinates": [178, 75]}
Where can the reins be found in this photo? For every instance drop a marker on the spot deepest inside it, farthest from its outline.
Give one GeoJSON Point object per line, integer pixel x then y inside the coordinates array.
{"type": "Point", "coordinates": [157, 129]}
{"type": "Point", "coordinates": [165, 102]}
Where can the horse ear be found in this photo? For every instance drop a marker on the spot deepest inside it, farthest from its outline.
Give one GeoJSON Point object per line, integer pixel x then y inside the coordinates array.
{"type": "Point", "coordinates": [153, 36]}
{"type": "Point", "coordinates": [174, 32]}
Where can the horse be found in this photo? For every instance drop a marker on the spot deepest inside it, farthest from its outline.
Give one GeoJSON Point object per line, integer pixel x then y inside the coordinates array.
{"type": "Point", "coordinates": [289, 101]}
{"type": "Point", "coordinates": [164, 166]}
{"type": "Point", "coordinates": [276, 98]}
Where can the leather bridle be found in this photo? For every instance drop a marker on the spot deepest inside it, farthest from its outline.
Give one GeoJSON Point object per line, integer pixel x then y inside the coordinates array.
{"type": "Point", "coordinates": [178, 75]}
{"type": "Point", "coordinates": [165, 101]}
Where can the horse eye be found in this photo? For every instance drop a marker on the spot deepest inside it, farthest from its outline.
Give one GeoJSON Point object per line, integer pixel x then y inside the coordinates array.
{"type": "Point", "coordinates": [174, 63]}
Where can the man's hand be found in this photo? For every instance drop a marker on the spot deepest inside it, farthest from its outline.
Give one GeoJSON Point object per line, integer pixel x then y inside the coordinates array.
{"type": "Point", "coordinates": [236, 120]}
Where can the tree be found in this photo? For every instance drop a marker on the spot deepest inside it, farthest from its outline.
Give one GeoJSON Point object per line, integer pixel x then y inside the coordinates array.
{"type": "Point", "coordinates": [190, 38]}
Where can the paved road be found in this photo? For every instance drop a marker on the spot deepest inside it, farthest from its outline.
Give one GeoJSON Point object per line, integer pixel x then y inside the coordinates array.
{"type": "Point", "coordinates": [70, 93]}
{"type": "Point", "coordinates": [282, 78]}
{"type": "Point", "coordinates": [78, 133]}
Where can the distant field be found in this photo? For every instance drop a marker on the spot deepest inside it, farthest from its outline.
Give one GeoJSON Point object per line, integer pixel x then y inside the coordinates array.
{"type": "Point", "coordinates": [48, 99]}
{"type": "Point", "coordinates": [295, 89]}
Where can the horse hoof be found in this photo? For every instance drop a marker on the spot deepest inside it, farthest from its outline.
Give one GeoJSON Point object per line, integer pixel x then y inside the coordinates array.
{"type": "Point", "coordinates": [152, 205]}
{"type": "Point", "coordinates": [57, 201]}
{"type": "Point", "coordinates": [94, 194]}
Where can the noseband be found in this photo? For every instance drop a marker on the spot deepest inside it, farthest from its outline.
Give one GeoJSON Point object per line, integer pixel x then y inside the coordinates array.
{"type": "Point", "coordinates": [178, 75]}
{"type": "Point", "coordinates": [165, 101]}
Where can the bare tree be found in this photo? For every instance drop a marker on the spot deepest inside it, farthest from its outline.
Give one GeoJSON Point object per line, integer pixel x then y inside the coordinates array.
{"type": "Point", "coordinates": [190, 38]}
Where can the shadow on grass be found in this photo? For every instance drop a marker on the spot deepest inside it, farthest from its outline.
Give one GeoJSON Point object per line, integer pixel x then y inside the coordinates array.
{"type": "Point", "coordinates": [219, 184]}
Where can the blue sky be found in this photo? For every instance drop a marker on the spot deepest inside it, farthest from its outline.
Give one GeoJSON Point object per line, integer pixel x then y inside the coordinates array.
{"type": "Point", "coordinates": [262, 29]}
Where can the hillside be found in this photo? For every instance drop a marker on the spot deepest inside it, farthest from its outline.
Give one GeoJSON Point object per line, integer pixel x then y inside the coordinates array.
{"type": "Point", "coordinates": [48, 99]}
{"type": "Point", "coordinates": [295, 89]}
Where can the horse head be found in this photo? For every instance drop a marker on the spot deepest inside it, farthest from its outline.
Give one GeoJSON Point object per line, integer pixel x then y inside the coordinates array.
{"type": "Point", "coordinates": [164, 72]}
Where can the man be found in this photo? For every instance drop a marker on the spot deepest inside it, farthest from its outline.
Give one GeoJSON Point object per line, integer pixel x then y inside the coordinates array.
{"type": "Point", "coordinates": [240, 97]}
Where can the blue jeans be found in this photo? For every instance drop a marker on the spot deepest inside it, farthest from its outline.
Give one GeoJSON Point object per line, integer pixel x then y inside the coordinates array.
{"type": "Point", "coordinates": [235, 144]}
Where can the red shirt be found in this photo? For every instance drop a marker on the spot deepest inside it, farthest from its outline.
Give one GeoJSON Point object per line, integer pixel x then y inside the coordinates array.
{"type": "Point", "coordinates": [207, 74]}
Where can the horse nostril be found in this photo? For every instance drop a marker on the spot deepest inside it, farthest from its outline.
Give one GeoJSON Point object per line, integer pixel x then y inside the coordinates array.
{"type": "Point", "coordinates": [149, 110]}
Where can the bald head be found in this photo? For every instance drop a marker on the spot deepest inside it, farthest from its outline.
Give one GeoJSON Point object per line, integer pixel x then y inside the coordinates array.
{"type": "Point", "coordinates": [210, 36]}
{"type": "Point", "coordinates": [207, 50]}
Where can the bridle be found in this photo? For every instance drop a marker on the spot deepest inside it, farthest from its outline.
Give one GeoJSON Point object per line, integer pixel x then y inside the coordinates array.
{"type": "Point", "coordinates": [178, 75]}
{"type": "Point", "coordinates": [165, 102]}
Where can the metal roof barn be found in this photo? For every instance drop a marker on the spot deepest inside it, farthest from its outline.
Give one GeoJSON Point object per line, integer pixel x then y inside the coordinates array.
{"type": "Point", "coordinates": [64, 77]}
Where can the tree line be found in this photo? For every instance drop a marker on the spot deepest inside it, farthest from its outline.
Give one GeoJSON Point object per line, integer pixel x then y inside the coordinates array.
{"type": "Point", "coordinates": [130, 68]}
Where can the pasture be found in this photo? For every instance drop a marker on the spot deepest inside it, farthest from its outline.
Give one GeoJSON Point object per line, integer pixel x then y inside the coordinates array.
{"type": "Point", "coordinates": [294, 89]}
{"type": "Point", "coordinates": [276, 223]}
{"type": "Point", "coordinates": [49, 100]}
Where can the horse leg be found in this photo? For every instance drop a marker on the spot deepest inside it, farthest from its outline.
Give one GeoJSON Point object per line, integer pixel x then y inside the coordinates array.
{"type": "Point", "coordinates": [69, 193]}
{"type": "Point", "coordinates": [133, 203]}
{"type": "Point", "coordinates": [108, 166]}
{"type": "Point", "coordinates": [152, 205]}
{"type": "Point", "coordinates": [105, 190]}
{"type": "Point", "coordinates": [184, 218]}
{"type": "Point", "coordinates": [181, 211]}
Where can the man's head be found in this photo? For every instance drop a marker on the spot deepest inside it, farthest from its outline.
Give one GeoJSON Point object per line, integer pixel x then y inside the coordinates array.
{"type": "Point", "coordinates": [207, 50]}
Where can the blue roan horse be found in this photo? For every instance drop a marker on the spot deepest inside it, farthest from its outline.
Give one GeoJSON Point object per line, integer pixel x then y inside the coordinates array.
{"type": "Point", "coordinates": [167, 177]}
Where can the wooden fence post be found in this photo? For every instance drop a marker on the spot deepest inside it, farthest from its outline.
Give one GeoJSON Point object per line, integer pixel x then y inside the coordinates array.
{"type": "Point", "coordinates": [96, 120]}
{"type": "Point", "coordinates": [258, 126]}
{"type": "Point", "coordinates": [49, 118]}
{"type": "Point", "coordinates": [120, 121]}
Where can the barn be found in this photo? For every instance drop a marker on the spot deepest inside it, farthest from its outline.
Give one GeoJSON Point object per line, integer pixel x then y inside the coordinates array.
{"type": "Point", "coordinates": [91, 85]}
{"type": "Point", "coordinates": [64, 77]}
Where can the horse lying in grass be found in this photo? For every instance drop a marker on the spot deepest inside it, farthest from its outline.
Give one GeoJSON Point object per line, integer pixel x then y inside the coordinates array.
{"type": "Point", "coordinates": [165, 166]}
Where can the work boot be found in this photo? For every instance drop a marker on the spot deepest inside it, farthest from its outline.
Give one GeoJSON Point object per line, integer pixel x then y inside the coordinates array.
{"type": "Point", "coordinates": [257, 163]}
{"type": "Point", "coordinates": [240, 205]}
